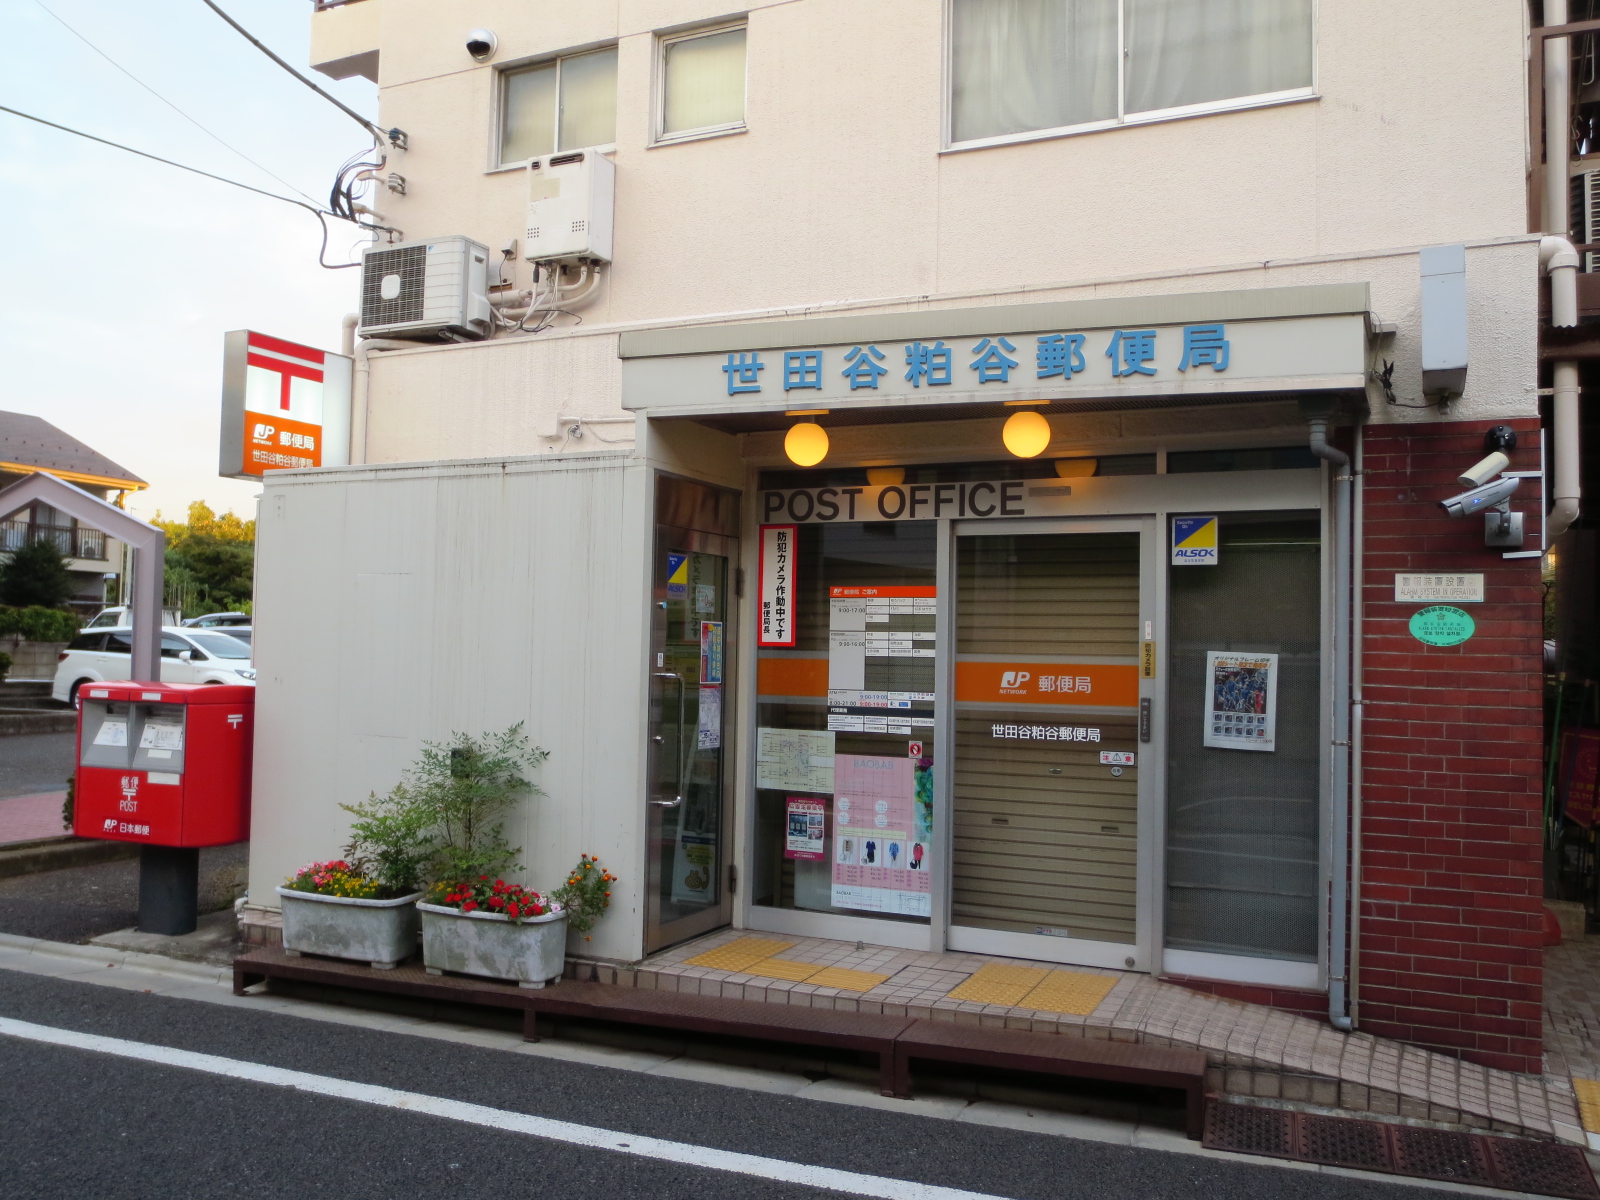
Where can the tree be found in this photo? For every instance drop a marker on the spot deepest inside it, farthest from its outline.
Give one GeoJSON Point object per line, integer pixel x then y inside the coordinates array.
{"type": "Point", "coordinates": [36, 574]}
{"type": "Point", "coordinates": [212, 558]}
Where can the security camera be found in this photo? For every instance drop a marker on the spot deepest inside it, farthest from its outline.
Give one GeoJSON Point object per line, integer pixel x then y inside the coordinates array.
{"type": "Point", "coordinates": [481, 44]}
{"type": "Point", "coordinates": [1479, 499]}
{"type": "Point", "coordinates": [1480, 473]}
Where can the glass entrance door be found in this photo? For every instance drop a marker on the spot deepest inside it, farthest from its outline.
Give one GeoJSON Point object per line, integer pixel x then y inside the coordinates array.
{"type": "Point", "coordinates": [1045, 795]}
{"type": "Point", "coordinates": [691, 658]}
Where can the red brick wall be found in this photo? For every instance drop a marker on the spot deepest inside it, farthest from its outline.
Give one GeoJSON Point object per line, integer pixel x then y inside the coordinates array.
{"type": "Point", "coordinates": [1452, 890]}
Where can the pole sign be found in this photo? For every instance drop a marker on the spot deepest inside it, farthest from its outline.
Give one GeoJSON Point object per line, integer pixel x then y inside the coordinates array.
{"type": "Point", "coordinates": [284, 406]}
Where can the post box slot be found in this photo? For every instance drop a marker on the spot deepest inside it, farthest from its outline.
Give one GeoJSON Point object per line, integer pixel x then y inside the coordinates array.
{"type": "Point", "coordinates": [106, 736]}
{"type": "Point", "coordinates": [159, 741]}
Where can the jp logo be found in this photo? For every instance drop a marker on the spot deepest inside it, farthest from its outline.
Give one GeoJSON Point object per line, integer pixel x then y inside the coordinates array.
{"type": "Point", "coordinates": [1014, 679]}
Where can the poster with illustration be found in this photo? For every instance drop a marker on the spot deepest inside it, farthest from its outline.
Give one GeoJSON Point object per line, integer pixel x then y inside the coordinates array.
{"type": "Point", "coordinates": [804, 837]}
{"type": "Point", "coordinates": [881, 837]}
{"type": "Point", "coordinates": [694, 869]}
{"type": "Point", "coordinates": [1241, 701]}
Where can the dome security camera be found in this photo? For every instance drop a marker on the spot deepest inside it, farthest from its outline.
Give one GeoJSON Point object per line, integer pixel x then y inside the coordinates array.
{"type": "Point", "coordinates": [481, 44]}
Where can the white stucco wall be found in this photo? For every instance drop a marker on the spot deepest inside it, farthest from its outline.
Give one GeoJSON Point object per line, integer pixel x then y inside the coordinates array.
{"type": "Point", "coordinates": [840, 188]}
{"type": "Point", "coordinates": [397, 605]}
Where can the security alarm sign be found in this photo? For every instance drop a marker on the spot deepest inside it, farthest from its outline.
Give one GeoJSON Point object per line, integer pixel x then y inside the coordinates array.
{"type": "Point", "coordinates": [284, 406]}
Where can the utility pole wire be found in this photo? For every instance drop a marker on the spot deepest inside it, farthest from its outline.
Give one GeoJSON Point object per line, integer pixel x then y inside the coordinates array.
{"type": "Point", "coordinates": [320, 213]}
{"type": "Point", "coordinates": [329, 97]}
{"type": "Point", "coordinates": [214, 137]}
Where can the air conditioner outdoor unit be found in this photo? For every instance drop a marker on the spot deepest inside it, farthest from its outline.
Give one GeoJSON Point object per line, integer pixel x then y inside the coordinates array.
{"type": "Point", "coordinates": [570, 201]}
{"type": "Point", "coordinates": [1585, 195]}
{"type": "Point", "coordinates": [436, 290]}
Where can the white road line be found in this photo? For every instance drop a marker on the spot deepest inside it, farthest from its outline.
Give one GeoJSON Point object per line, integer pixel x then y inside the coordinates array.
{"type": "Point", "coordinates": [496, 1118]}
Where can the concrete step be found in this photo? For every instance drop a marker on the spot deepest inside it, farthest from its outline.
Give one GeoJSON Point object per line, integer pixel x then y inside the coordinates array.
{"type": "Point", "coordinates": [52, 854]}
{"type": "Point", "coordinates": [25, 692]}
{"type": "Point", "coordinates": [17, 721]}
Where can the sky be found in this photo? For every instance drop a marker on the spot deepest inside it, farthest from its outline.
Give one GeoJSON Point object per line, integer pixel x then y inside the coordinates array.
{"type": "Point", "coordinates": [119, 276]}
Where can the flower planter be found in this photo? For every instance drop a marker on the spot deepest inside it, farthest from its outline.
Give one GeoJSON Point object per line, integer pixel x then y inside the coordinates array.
{"type": "Point", "coordinates": [533, 951]}
{"type": "Point", "coordinates": [380, 932]}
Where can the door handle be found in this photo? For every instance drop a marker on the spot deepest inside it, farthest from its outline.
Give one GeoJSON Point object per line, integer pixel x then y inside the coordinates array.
{"type": "Point", "coordinates": [678, 679]}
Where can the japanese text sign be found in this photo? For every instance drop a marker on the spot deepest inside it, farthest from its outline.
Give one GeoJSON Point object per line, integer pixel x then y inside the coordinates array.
{"type": "Point", "coordinates": [777, 586]}
{"type": "Point", "coordinates": [284, 406]}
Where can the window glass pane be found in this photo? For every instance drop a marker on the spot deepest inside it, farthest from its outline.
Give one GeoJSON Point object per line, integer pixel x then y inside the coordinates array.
{"type": "Point", "coordinates": [1019, 65]}
{"type": "Point", "coordinates": [528, 121]}
{"type": "Point", "coordinates": [171, 647]}
{"type": "Point", "coordinates": [1275, 458]}
{"type": "Point", "coordinates": [588, 100]}
{"type": "Point", "coordinates": [1242, 843]}
{"type": "Point", "coordinates": [1191, 51]}
{"type": "Point", "coordinates": [222, 645]}
{"type": "Point", "coordinates": [704, 82]}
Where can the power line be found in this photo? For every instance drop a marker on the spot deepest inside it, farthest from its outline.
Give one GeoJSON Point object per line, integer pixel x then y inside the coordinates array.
{"type": "Point", "coordinates": [319, 213]}
{"type": "Point", "coordinates": [214, 137]}
{"type": "Point", "coordinates": [395, 136]}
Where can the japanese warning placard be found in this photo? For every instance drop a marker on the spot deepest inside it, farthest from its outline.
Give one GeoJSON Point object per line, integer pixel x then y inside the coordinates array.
{"type": "Point", "coordinates": [1241, 701]}
{"type": "Point", "coordinates": [776, 617]}
{"type": "Point", "coordinates": [880, 840]}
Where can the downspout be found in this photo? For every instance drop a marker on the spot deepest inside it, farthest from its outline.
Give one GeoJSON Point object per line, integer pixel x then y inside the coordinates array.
{"type": "Point", "coordinates": [360, 391]}
{"type": "Point", "coordinates": [1339, 785]}
{"type": "Point", "coordinates": [1560, 262]}
{"type": "Point", "coordinates": [1357, 716]}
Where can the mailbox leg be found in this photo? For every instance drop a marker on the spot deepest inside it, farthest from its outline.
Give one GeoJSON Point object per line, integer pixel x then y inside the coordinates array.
{"type": "Point", "coordinates": [169, 889]}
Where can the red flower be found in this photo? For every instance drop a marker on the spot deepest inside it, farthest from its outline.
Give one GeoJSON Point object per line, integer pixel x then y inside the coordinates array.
{"type": "Point", "coordinates": [470, 906]}
{"type": "Point", "coordinates": [513, 911]}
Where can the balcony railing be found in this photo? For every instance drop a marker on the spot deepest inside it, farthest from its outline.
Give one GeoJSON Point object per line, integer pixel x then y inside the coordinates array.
{"type": "Point", "coordinates": [72, 542]}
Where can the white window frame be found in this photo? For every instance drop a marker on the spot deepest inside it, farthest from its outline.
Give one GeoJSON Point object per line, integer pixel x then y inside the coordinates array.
{"type": "Point", "coordinates": [658, 86]}
{"type": "Point", "coordinates": [1122, 119]}
{"type": "Point", "coordinates": [498, 106]}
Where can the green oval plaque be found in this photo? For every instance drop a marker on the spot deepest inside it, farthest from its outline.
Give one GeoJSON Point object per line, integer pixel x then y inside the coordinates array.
{"type": "Point", "coordinates": [1442, 625]}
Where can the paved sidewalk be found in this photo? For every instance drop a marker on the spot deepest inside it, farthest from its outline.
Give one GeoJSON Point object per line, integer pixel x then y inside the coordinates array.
{"type": "Point", "coordinates": [29, 818]}
{"type": "Point", "coordinates": [1572, 1026]}
{"type": "Point", "coordinates": [1254, 1050]}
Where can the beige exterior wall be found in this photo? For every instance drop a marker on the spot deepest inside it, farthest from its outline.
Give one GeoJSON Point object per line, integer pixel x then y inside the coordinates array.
{"type": "Point", "coordinates": [839, 189]}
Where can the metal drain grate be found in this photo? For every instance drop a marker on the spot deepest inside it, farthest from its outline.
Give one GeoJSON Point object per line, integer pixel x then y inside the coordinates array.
{"type": "Point", "coordinates": [1343, 1143]}
{"type": "Point", "coordinates": [1542, 1168]}
{"type": "Point", "coordinates": [1440, 1154]}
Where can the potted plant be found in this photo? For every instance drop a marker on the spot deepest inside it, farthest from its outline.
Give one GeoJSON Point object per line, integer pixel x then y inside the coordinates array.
{"type": "Point", "coordinates": [364, 908]}
{"type": "Point", "coordinates": [586, 895]}
{"type": "Point", "coordinates": [335, 909]}
{"type": "Point", "coordinates": [466, 788]}
{"type": "Point", "coordinates": [493, 928]}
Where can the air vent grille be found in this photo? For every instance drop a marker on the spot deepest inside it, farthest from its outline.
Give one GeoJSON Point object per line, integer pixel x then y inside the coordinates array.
{"type": "Point", "coordinates": [408, 262]}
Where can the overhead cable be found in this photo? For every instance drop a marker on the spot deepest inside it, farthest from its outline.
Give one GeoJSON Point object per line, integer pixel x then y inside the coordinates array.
{"type": "Point", "coordinates": [214, 137]}
{"type": "Point", "coordinates": [320, 214]}
{"type": "Point", "coordinates": [395, 137]}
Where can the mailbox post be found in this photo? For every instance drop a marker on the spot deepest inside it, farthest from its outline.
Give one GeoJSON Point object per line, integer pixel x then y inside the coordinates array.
{"type": "Point", "coordinates": [166, 766]}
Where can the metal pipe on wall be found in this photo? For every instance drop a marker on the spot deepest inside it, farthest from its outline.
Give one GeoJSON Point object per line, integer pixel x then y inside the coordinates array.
{"type": "Point", "coordinates": [1357, 716]}
{"type": "Point", "coordinates": [1339, 784]}
{"type": "Point", "coordinates": [1560, 261]}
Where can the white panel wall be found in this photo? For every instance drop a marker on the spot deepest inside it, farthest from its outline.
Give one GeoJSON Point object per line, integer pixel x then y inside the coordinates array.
{"type": "Point", "coordinates": [400, 604]}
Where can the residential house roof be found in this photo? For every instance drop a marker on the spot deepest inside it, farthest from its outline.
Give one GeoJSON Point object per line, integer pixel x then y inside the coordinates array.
{"type": "Point", "coordinates": [29, 443]}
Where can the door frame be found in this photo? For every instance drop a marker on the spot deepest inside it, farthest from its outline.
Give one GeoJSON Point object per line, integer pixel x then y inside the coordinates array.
{"type": "Point", "coordinates": [658, 935]}
{"type": "Point", "coordinates": [1149, 810]}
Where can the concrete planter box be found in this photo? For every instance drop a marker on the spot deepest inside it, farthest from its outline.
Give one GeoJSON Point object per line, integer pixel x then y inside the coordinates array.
{"type": "Point", "coordinates": [380, 932]}
{"type": "Point", "coordinates": [533, 951]}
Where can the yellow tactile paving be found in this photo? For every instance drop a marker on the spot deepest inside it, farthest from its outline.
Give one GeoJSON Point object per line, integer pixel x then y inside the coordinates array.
{"type": "Point", "coordinates": [782, 968]}
{"type": "Point", "coordinates": [846, 979]}
{"type": "Point", "coordinates": [996, 984]}
{"type": "Point", "coordinates": [1074, 993]}
{"type": "Point", "coordinates": [1588, 1091]}
{"type": "Point", "coordinates": [739, 954]}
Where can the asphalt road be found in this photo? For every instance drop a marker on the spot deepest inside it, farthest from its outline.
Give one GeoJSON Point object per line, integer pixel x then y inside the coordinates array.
{"type": "Point", "coordinates": [35, 762]}
{"type": "Point", "coordinates": [81, 1122]}
{"type": "Point", "coordinates": [79, 903]}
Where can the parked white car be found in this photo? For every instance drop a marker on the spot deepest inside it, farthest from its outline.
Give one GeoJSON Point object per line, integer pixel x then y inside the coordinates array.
{"type": "Point", "coordinates": [118, 616]}
{"type": "Point", "coordinates": [187, 656]}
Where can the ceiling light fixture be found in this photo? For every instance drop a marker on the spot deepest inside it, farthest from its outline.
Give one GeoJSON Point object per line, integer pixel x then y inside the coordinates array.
{"type": "Point", "coordinates": [806, 443]}
{"type": "Point", "coordinates": [1026, 434]}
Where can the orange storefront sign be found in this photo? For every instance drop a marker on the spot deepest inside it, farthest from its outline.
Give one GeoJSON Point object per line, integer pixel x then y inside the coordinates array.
{"type": "Point", "coordinates": [1096, 684]}
{"type": "Point", "coordinates": [792, 676]}
{"type": "Point", "coordinates": [273, 443]}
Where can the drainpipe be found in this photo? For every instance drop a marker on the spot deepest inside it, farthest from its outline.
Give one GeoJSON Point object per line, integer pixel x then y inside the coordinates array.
{"type": "Point", "coordinates": [347, 334]}
{"type": "Point", "coordinates": [360, 389]}
{"type": "Point", "coordinates": [1560, 261]}
{"type": "Point", "coordinates": [1358, 535]}
{"type": "Point", "coordinates": [1339, 940]}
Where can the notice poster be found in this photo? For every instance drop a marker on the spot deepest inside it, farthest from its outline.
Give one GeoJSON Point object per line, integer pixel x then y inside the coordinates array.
{"type": "Point", "coordinates": [776, 618]}
{"type": "Point", "coordinates": [1580, 775]}
{"type": "Point", "coordinates": [161, 735]}
{"type": "Point", "coordinates": [694, 869]}
{"type": "Point", "coordinates": [794, 760]}
{"type": "Point", "coordinates": [709, 734]}
{"type": "Point", "coordinates": [710, 651]}
{"type": "Point", "coordinates": [1241, 701]}
{"type": "Point", "coordinates": [880, 836]}
{"type": "Point", "coordinates": [806, 821]}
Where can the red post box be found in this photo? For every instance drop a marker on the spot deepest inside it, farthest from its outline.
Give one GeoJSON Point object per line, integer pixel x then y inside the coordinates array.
{"type": "Point", "coordinates": [164, 764]}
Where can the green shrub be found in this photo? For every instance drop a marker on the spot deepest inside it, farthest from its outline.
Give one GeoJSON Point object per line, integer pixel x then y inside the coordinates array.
{"type": "Point", "coordinates": [5, 665]}
{"type": "Point", "coordinates": [36, 623]}
{"type": "Point", "coordinates": [36, 574]}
